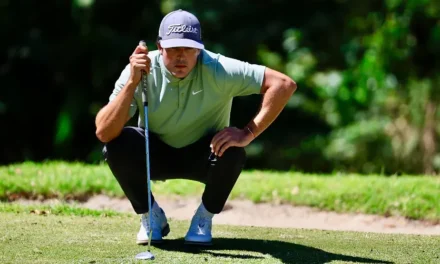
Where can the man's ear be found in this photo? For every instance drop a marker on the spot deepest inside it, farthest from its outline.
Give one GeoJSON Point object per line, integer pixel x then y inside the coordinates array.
{"type": "Point", "coordinates": [159, 47]}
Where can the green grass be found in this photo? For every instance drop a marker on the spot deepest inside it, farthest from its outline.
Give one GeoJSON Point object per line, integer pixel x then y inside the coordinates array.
{"type": "Point", "coordinates": [57, 209]}
{"type": "Point", "coordinates": [72, 236]}
{"type": "Point", "coordinates": [415, 197]}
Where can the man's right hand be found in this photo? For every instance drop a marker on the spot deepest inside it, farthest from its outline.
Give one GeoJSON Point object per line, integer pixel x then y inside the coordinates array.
{"type": "Point", "coordinates": [139, 61]}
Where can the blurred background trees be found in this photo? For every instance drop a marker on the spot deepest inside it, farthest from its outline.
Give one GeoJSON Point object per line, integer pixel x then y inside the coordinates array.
{"type": "Point", "coordinates": [367, 73]}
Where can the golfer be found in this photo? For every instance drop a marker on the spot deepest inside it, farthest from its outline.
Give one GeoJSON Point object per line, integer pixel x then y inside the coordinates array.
{"type": "Point", "coordinates": [190, 93]}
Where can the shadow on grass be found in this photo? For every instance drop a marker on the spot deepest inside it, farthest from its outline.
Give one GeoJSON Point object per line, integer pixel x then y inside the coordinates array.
{"type": "Point", "coordinates": [283, 251]}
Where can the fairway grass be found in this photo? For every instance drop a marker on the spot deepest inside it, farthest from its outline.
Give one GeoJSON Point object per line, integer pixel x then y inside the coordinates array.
{"type": "Point", "coordinates": [70, 238]}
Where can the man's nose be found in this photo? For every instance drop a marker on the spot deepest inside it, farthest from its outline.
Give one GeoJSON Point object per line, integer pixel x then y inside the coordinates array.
{"type": "Point", "coordinates": [180, 53]}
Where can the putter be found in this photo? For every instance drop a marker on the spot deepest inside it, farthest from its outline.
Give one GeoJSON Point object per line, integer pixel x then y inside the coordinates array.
{"type": "Point", "coordinates": [146, 255]}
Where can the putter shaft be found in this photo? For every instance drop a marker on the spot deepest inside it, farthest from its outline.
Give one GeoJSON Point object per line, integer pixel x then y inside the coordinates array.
{"type": "Point", "coordinates": [145, 102]}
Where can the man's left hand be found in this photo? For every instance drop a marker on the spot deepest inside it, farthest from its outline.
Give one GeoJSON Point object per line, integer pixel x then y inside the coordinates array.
{"type": "Point", "coordinates": [230, 137]}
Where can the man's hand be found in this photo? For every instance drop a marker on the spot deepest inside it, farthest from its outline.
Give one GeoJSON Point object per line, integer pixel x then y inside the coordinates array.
{"type": "Point", "coordinates": [230, 137]}
{"type": "Point", "coordinates": [139, 61]}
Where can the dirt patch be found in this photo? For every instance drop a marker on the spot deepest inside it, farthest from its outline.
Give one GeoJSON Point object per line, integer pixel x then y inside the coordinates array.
{"type": "Point", "coordinates": [242, 212]}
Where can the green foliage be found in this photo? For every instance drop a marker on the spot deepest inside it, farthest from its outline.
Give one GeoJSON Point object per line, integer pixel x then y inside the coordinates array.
{"type": "Point", "coordinates": [375, 102]}
{"type": "Point", "coordinates": [367, 74]}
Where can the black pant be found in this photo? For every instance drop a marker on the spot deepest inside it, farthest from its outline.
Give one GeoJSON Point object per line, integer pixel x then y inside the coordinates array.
{"type": "Point", "coordinates": [126, 157]}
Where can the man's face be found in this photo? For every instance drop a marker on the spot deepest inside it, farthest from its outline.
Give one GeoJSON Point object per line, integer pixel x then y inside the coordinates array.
{"type": "Point", "coordinates": [180, 60]}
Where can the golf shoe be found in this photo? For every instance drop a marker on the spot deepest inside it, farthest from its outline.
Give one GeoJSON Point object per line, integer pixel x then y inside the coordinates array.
{"type": "Point", "coordinates": [159, 226]}
{"type": "Point", "coordinates": [199, 232]}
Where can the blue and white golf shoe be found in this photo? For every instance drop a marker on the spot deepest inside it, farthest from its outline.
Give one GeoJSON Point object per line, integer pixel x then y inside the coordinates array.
{"type": "Point", "coordinates": [199, 232]}
{"type": "Point", "coordinates": [159, 226]}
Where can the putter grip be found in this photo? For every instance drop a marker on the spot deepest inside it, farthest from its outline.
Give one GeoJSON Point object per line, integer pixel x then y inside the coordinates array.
{"type": "Point", "coordinates": [144, 80]}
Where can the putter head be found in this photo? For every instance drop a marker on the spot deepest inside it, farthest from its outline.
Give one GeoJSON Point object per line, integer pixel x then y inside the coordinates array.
{"type": "Point", "coordinates": [145, 255]}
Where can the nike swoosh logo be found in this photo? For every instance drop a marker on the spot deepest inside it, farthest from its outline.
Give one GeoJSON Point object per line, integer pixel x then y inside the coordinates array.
{"type": "Point", "coordinates": [196, 92]}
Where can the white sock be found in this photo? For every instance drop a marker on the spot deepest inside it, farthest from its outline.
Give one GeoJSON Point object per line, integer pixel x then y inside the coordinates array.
{"type": "Point", "coordinates": [203, 210]}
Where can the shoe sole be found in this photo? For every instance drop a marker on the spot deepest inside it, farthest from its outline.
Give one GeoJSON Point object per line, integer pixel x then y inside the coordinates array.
{"type": "Point", "coordinates": [165, 232]}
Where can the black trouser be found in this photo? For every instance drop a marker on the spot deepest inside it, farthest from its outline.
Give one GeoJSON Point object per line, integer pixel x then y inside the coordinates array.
{"type": "Point", "coordinates": [126, 157]}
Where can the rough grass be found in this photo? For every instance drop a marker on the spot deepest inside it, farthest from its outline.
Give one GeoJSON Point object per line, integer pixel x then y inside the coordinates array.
{"type": "Point", "coordinates": [415, 197]}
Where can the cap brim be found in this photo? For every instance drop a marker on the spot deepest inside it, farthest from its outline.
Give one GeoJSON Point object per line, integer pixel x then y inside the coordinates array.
{"type": "Point", "coordinates": [173, 43]}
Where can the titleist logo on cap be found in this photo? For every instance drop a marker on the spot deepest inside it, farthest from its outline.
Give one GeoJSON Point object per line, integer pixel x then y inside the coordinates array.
{"type": "Point", "coordinates": [180, 28]}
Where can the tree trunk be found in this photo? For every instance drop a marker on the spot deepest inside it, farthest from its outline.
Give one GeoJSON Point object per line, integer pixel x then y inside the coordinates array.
{"type": "Point", "coordinates": [429, 144]}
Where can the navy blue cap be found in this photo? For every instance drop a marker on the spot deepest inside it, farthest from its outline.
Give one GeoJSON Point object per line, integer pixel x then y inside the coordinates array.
{"type": "Point", "coordinates": [180, 29]}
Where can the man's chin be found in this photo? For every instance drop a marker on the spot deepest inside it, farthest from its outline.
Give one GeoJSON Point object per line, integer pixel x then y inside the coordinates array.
{"type": "Point", "coordinates": [180, 74]}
